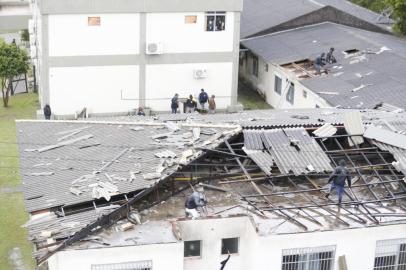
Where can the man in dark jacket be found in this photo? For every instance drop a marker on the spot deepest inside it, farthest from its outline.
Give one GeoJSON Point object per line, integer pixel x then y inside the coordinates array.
{"type": "Point", "coordinates": [47, 112]}
{"type": "Point", "coordinates": [338, 177]}
{"type": "Point", "coordinates": [197, 199]}
{"type": "Point", "coordinates": [203, 97]}
{"type": "Point", "coordinates": [190, 104]}
{"type": "Point", "coordinates": [175, 103]}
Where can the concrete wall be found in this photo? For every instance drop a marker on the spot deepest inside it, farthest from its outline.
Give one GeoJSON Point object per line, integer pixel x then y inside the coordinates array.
{"type": "Point", "coordinates": [163, 256]}
{"type": "Point", "coordinates": [265, 85]}
{"type": "Point", "coordinates": [211, 232]}
{"type": "Point", "coordinates": [179, 37]}
{"type": "Point", "coordinates": [89, 66]}
{"type": "Point", "coordinates": [99, 89]}
{"type": "Point", "coordinates": [163, 81]}
{"type": "Point", "coordinates": [259, 252]}
{"type": "Point", "coordinates": [70, 35]}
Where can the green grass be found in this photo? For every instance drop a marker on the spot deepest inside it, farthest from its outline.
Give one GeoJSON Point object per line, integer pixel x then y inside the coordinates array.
{"type": "Point", "coordinates": [250, 99]}
{"type": "Point", "coordinates": [12, 211]}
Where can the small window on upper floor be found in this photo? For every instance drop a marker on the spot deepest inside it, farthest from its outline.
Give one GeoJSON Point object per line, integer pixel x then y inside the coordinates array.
{"type": "Point", "coordinates": [190, 19]}
{"type": "Point", "coordinates": [93, 21]}
{"type": "Point", "coordinates": [278, 85]}
{"type": "Point", "coordinates": [266, 67]}
{"type": "Point", "coordinates": [229, 245]}
{"type": "Point", "coordinates": [215, 21]}
{"type": "Point", "coordinates": [317, 106]}
{"type": "Point", "coordinates": [390, 254]}
{"type": "Point", "coordinates": [304, 94]}
{"type": "Point", "coordinates": [192, 248]}
{"type": "Point", "coordinates": [255, 66]}
{"type": "Point", "coordinates": [290, 96]}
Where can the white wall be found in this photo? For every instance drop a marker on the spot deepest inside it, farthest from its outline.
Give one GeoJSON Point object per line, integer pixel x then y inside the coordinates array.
{"type": "Point", "coordinates": [97, 88]}
{"type": "Point", "coordinates": [163, 81]}
{"type": "Point", "coordinates": [358, 245]}
{"type": "Point", "coordinates": [265, 82]}
{"type": "Point", "coordinates": [179, 37]}
{"type": "Point", "coordinates": [211, 231]}
{"type": "Point", "coordinates": [70, 35]}
{"type": "Point", "coordinates": [163, 256]}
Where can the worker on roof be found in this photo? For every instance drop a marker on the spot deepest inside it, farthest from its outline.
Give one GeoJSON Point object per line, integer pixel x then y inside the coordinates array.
{"type": "Point", "coordinates": [194, 201]}
{"type": "Point", "coordinates": [338, 177]}
{"type": "Point", "coordinates": [319, 63]}
{"type": "Point", "coordinates": [330, 59]}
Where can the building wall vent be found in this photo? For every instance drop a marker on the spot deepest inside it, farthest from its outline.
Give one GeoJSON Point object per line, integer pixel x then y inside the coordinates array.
{"type": "Point", "coordinates": [155, 48]}
{"type": "Point", "coordinates": [200, 73]}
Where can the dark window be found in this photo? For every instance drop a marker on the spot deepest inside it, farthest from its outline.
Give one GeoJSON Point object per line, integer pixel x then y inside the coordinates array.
{"type": "Point", "coordinates": [266, 67]}
{"type": "Point", "coordinates": [229, 245]}
{"type": "Point", "coordinates": [255, 66]}
{"type": "Point", "coordinates": [304, 94]}
{"type": "Point", "coordinates": [317, 106]}
{"type": "Point", "coordinates": [278, 85]}
{"type": "Point", "coordinates": [192, 248]}
{"type": "Point", "coordinates": [215, 21]}
{"type": "Point", "coordinates": [290, 96]}
{"type": "Point", "coordinates": [385, 263]}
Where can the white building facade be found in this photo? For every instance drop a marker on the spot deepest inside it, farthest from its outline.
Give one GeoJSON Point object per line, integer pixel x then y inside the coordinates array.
{"type": "Point", "coordinates": [280, 88]}
{"type": "Point", "coordinates": [366, 248]}
{"type": "Point", "coordinates": [114, 56]}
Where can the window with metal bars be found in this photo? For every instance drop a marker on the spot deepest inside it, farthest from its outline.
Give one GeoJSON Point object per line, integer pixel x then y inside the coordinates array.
{"type": "Point", "coordinates": [319, 258]}
{"type": "Point", "coordinates": [215, 21]}
{"type": "Point", "coordinates": [390, 255]}
{"type": "Point", "coordinates": [140, 265]}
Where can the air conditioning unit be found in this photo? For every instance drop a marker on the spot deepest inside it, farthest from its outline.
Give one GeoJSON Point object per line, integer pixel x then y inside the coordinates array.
{"type": "Point", "coordinates": [31, 26]}
{"type": "Point", "coordinates": [155, 48]}
{"type": "Point", "coordinates": [200, 73]}
{"type": "Point", "coordinates": [33, 52]}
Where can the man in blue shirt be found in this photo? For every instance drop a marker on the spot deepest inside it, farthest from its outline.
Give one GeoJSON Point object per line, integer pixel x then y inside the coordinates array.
{"type": "Point", "coordinates": [197, 199]}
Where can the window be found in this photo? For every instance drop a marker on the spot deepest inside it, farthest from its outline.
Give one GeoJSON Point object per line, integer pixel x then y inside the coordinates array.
{"type": "Point", "coordinates": [304, 94]}
{"type": "Point", "coordinates": [390, 255]}
{"type": "Point", "coordinates": [290, 96]}
{"type": "Point", "coordinates": [192, 248]}
{"type": "Point", "coordinates": [140, 265]}
{"type": "Point", "coordinates": [266, 67]}
{"type": "Point", "coordinates": [317, 106]}
{"type": "Point", "coordinates": [278, 84]}
{"type": "Point", "coordinates": [319, 258]}
{"type": "Point", "coordinates": [215, 21]}
{"type": "Point", "coordinates": [93, 21]}
{"type": "Point", "coordinates": [190, 19]}
{"type": "Point", "coordinates": [229, 245]}
{"type": "Point", "coordinates": [255, 66]}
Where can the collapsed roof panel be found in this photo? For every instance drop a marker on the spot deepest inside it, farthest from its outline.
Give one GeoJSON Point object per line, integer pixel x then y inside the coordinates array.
{"type": "Point", "coordinates": [293, 150]}
{"type": "Point", "coordinates": [100, 161]}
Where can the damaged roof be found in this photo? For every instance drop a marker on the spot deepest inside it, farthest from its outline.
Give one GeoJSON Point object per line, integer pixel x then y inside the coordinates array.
{"type": "Point", "coordinates": [261, 15]}
{"type": "Point", "coordinates": [67, 163]}
{"type": "Point", "coordinates": [374, 74]}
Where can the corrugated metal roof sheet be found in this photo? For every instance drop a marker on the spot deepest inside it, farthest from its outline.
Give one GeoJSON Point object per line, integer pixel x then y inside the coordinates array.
{"type": "Point", "coordinates": [354, 126]}
{"type": "Point", "coordinates": [378, 66]}
{"type": "Point", "coordinates": [292, 150]}
{"type": "Point", "coordinates": [398, 153]}
{"type": "Point", "coordinates": [125, 154]}
{"type": "Point", "coordinates": [262, 158]}
{"type": "Point", "coordinates": [326, 130]}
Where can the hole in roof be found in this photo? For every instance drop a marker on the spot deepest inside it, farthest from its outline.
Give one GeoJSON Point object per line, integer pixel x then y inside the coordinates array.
{"type": "Point", "coordinates": [351, 51]}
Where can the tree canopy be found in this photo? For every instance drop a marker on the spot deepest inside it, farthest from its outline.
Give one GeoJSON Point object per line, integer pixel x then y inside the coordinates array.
{"type": "Point", "coordinates": [398, 7]}
{"type": "Point", "coordinates": [13, 62]}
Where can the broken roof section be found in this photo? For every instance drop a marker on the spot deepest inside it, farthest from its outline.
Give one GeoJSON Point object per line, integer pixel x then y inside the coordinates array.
{"type": "Point", "coordinates": [262, 16]}
{"type": "Point", "coordinates": [372, 73]}
{"type": "Point", "coordinates": [68, 163]}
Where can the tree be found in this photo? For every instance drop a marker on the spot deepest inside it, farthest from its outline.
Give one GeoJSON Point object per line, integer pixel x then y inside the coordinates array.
{"type": "Point", "coordinates": [399, 14]}
{"type": "Point", "coordinates": [13, 62]}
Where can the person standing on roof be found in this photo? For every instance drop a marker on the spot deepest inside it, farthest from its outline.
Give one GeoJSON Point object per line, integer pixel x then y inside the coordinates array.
{"type": "Point", "coordinates": [175, 103]}
{"type": "Point", "coordinates": [212, 104]}
{"type": "Point", "coordinates": [47, 112]}
{"type": "Point", "coordinates": [338, 177]}
{"type": "Point", "coordinates": [319, 63]}
{"type": "Point", "coordinates": [190, 104]}
{"type": "Point", "coordinates": [203, 97]}
{"type": "Point", "coordinates": [330, 59]}
{"type": "Point", "coordinates": [194, 201]}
